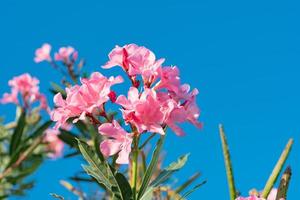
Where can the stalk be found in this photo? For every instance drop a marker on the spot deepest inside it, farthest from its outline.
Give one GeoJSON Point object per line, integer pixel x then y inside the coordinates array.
{"type": "Point", "coordinates": [228, 165]}
{"type": "Point", "coordinates": [135, 166]}
{"type": "Point", "coordinates": [277, 169]}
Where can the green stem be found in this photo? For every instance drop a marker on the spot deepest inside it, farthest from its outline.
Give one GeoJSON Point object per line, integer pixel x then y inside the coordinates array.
{"type": "Point", "coordinates": [135, 166]}
{"type": "Point", "coordinates": [147, 141]}
{"type": "Point", "coordinates": [228, 165]}
{"type": "Point", "coordinates": [278, 167]}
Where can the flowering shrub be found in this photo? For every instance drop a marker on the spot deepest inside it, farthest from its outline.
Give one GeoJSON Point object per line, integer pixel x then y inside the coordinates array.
{"type": "Point", "coordinates": [112, 131]}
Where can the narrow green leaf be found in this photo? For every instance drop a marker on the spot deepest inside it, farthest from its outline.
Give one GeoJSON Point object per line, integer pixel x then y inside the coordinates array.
{"type": "Point", "coordinates": [228, 165]}
{"type": "Point", "coordinates": [97, 169]}
{"type": "Point", "coordinates": [196, 187]}
{"type": "Point", "coordinates": [150, 169]}
{"type": "Point", "coordinates": [187, 183]}
{"type": "Point", "coordinates": [17, 134]}
{"type": "Point", "coordinates": [72, 154]}
{"type": "Point", "coordinates": [69, 138]}
{"type": "Point", "coordinates": [284, 184]}
{"type": "Point", "coordinates": [168, 171]}
{"type": "Point", "coordinates": [104, 174]}
{"type": "Point", "coordinates": [57, 89]}
{"type": "Point", "coordinates": [277, 169]}
{"type": "Point", "coordinates": [148, 195]}
{"type": "Point", "coordinates": [124, 186]}
{"type": "Point", "coordinates": [40, 130]}
{"type": "Point", "coordinates": [56, 196]}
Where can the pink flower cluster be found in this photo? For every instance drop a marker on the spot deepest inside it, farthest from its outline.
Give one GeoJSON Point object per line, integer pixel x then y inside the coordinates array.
{"type": "Point", "coordinates": [272, 196]}
{"type": "Point", "coordinates": [63, 54]}
{"type": "Point", "coordinates": [163, 101]}
{"type": "Point", "coordinates": [27, 87]}
{"type": "Point", "coordinates": [83, 100]}
{"type": "Point", "coordinates": [54, 145]}
{"type": "Point", "coordinates": [159, 102]}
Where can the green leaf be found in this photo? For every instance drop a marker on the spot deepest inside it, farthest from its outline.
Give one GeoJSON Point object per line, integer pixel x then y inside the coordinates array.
{"type": "Point", "coordinates": [56, 196]}
{"type": "Point", "coordinates": [124, 186]}
{"type": "Point", "coordinates": [150, 169]}
{"type": "Point", "coordinates": [284, 184]}
{"type": "Point", "coordinates": [277, 169]}
{"type": "Point", "coordinates": [30, 167]}
{"type": "Point", "coordinates": [104, 174]}
{"type": "Point", "coordinates": [40, 130]}
{"type": "Point", "coordinates": [148, 195]}
{"type": "Point", "coordinates": [17, 134]}
{"type": "Point", "coordinates": [228, 165]}
{"type": "Point", "coordinates": [57, 89]}
{"type": "Point", "coordinates": [69, 138]}
{"type": "Point", "coordinates": [187, 183]}
{"type": "Point", "coordinates": [168, 171]}
{"type": "Point", "coordinates": [196, 187]}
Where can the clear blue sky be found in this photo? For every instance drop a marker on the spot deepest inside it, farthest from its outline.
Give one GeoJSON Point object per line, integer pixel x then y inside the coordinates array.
{"type": "Point", "coordinates": [243, 56]}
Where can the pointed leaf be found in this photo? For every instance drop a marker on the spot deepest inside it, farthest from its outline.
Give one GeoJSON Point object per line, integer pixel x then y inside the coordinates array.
{"type": "Point", "coordinates": [228, 165]}
{"type": "Point", "coordinates": [284, 184]}
{"type": "Point", "coordinates": [69, 138]}
{"type": "Point", "coordinates": [40, 130]}
{"type": "Point", "coordinates": [150, 169]}
{"type": "Point", "coordinates": [277, 169]}
{"type": "Point", "coordinates": [104, 174]}
{"type": "Point", "coordinates": [17, 134]}
{"type": "Point", "coordinates": [168, 171]}
{"type": "Point", "coordinates": [56, 196]}
{"type": "Point", "coordinates": [124, 186]}
{"type": "Point", "coordinates": [192, 190]}
{"type": "Point", "coordinates": [187, 183]}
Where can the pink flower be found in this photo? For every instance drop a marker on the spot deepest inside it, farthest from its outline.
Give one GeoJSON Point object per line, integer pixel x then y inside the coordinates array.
{"type": "Point", "coordinates": [118, 141]}
{"type": "Point", "coordinates": [64, 53]}
{"type": "Point", "coordinates": [10, 97]}
{"type": "Point", "coordinates": [87, 98]}
{"type": "Point", "coordinates": [43, 53]}
{"type": "Point", "coordinates": [169, 79]}
{"type": "Point", "coordinates": [25, 84]}
{"type": "Point", "coordinates": [144, 111]}
{"type": "Point", "coordinates": [135, 60]}
{"type": "Point", "coordinates": [27, 87]}
{"type": "Point", "coordinates": [272, 196]}
{"type": "Point", "coordinates": [54, 145]}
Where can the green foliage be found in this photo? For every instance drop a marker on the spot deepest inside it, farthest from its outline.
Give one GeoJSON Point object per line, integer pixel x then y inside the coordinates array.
{"type": "Point", "coordinates": [228, 165]}
{"type": "Point", "coordinates": [150, 169]}
{"type": "Point", "coordinates": [17, 134]}
{"type": "Point", "coordinates": [113, 181]}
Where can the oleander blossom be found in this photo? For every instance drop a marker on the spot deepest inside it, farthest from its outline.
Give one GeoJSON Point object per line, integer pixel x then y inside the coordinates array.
{"type": "Point", "coordinates": [85, 99]}
{"type": "Point", "coordinates": [272, 196]}
{"type": "Point", "coordinates": [43, 53]}
{"type": "Point", "coordinates": [118, 141]}
{"type": "Point", "coordinates": [54, 145]}
{"type": "Point", "coordinates": [27, 87]}
{"type": "Point", "coordinates": [163, 100]}
{"type": "Point", "coordinates": [64, 54]}
{"type": "Point", "coordinates": [144, 110]}
{"type": "Point", "coordinates": [135, 60]}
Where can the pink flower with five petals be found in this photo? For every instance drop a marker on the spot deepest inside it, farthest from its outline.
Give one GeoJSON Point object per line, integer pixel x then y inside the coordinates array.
{"type": "Point", "coordinates": [135, 60]}
{"type": "Point", "coordinates": [87, 98]}
{"type": "Point", "coordinates": [118, 141]}
{"type": "Point", "coordinates": [144, 111]}
{"type": "Point", "coordinates": [64, 54]}
{"type": "Point", "coordinates": [43, 53]}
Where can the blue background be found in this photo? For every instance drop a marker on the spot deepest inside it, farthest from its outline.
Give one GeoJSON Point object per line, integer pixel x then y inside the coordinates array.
{"type": "Point", "coordinates": [243, 56]}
